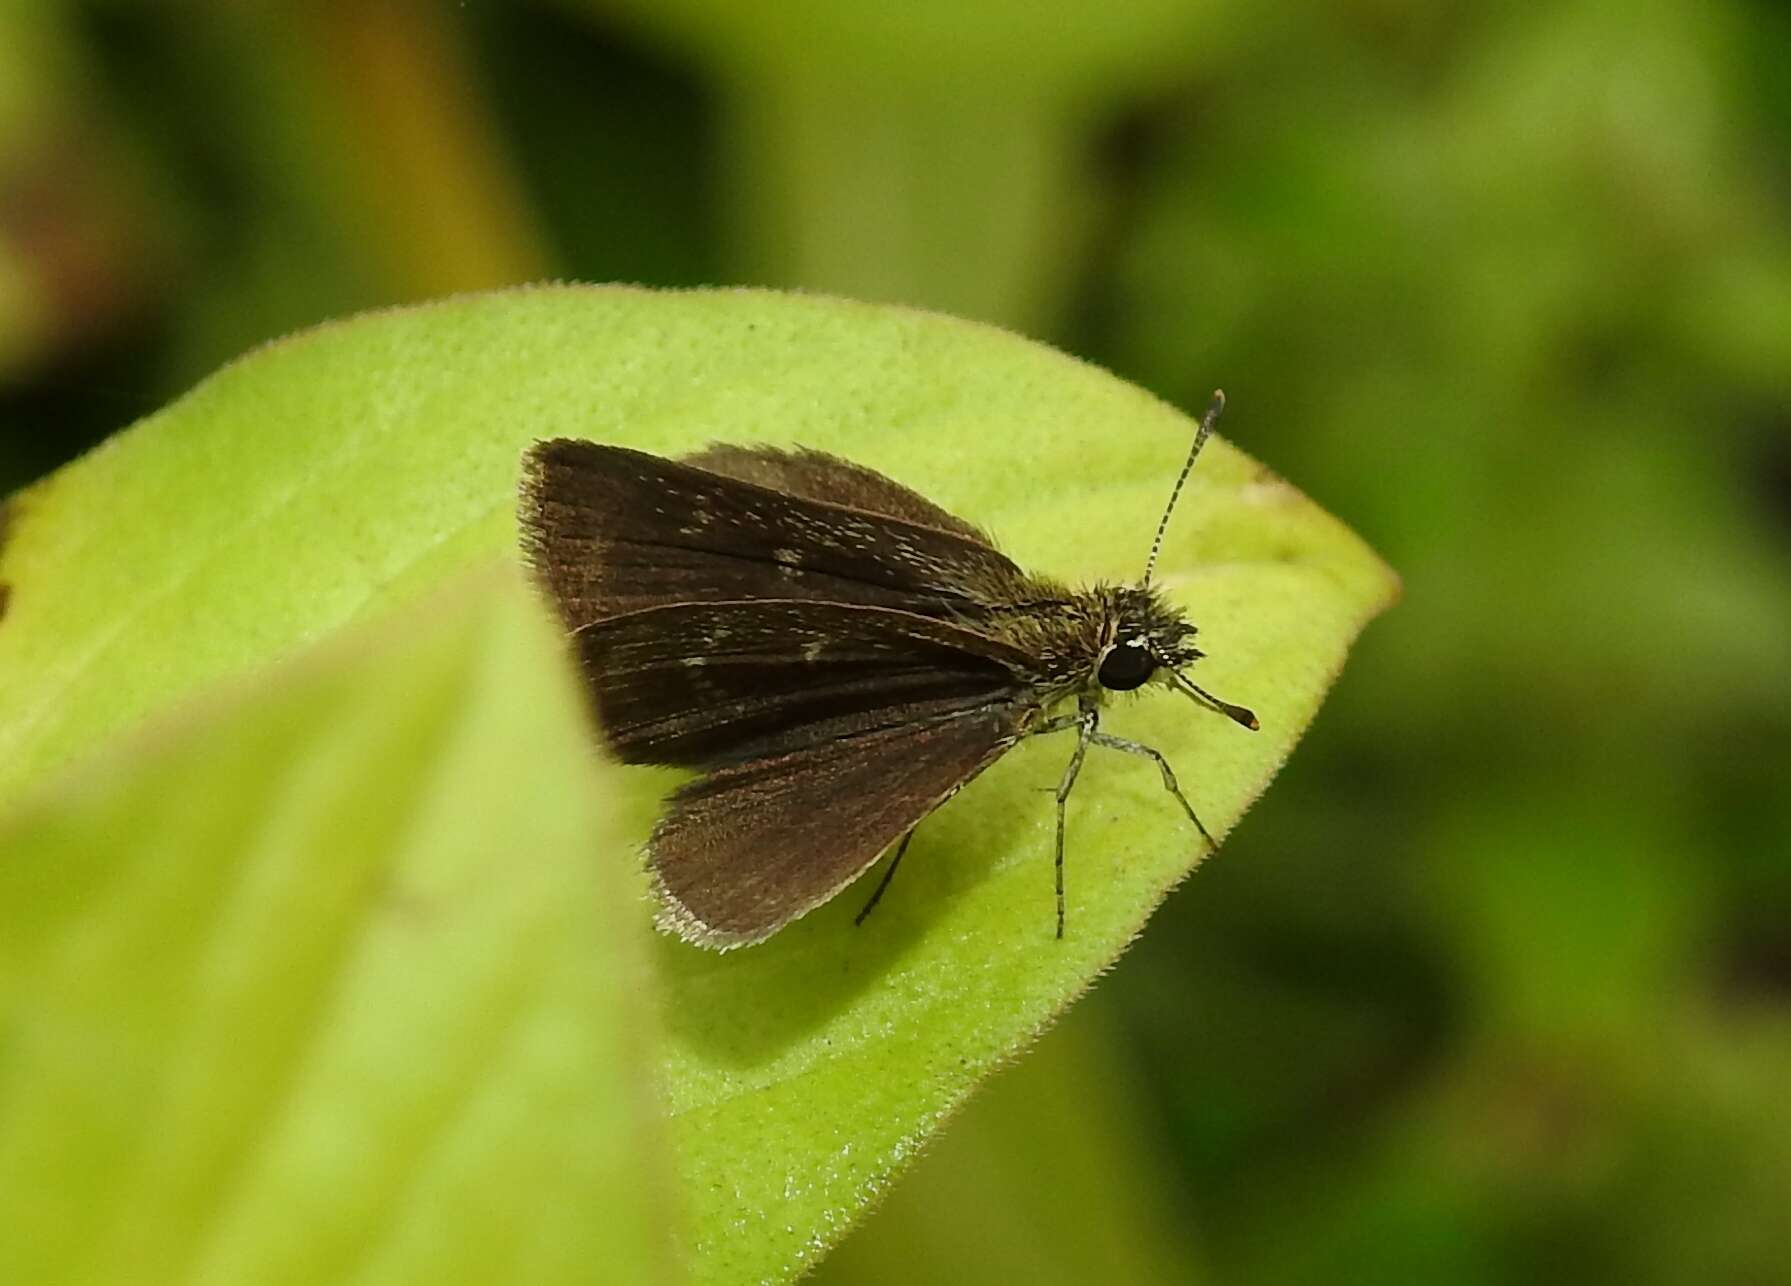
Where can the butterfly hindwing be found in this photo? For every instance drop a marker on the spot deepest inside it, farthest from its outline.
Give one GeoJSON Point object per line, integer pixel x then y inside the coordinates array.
{"type": "Point", "coordinates": [820, 476]}
{"type": "Point", "coordinates": [749, 847]}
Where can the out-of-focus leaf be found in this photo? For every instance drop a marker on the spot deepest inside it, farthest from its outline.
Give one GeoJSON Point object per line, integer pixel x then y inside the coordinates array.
{"type": "Point", "coordinates": [929, 153]}
{"type": "Point", "coordinates": [1047, 1177]}
{"type": "Point", "coordinates": [321, 983]}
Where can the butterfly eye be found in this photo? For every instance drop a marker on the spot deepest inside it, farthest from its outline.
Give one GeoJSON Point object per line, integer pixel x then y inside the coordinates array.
{"type": "Point", "coordinates": [1125, 667]}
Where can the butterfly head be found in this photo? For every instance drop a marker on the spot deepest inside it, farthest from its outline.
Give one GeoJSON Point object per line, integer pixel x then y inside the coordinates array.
{"type": "Point", "coordinates": [1145, 634]}
{"type": "Point", "coordinates": [1150, 639]}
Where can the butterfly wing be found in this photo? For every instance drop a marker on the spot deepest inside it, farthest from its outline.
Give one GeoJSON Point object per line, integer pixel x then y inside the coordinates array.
{"type": "Point", "coordinates": [697, 683]}
{"type": "Point", "coordinates": [815, 636]}
{"type": "Point", "coordinates": [611, 530]}
{"type": "Point", "coordinates": [828, 478]}
{"type": "Point", "coordinates": [749, 847]}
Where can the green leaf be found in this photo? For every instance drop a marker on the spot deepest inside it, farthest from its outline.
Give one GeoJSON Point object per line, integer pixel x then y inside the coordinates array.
{"type": "Point", "coordinates": [324, 477]}
{"type": "Point", "coordinates": [321, 983]}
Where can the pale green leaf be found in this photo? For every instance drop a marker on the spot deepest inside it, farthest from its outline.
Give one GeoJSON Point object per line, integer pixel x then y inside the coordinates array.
{"type": "Point", "coordinates": [320, 983]}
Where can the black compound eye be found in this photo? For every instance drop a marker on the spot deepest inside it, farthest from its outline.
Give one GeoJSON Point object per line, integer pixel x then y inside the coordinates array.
{"type": "Point", "coordinates": [1126, 667]}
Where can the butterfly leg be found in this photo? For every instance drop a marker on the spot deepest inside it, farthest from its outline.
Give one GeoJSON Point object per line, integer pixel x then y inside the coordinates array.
{"type": "Point", "coordinates": [1169, 783]}
{"type": "Point", "coordinates": [1085, 721]}
{"type": "Point", "coordinates": [888, 874]}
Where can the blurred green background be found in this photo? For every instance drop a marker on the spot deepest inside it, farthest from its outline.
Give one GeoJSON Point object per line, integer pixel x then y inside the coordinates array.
{"type": "Point", "coordinates": [1495, 983]}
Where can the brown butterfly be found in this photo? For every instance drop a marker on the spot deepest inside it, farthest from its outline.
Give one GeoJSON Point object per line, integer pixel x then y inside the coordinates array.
{"type": "Point", "coordinates": [835, 654]}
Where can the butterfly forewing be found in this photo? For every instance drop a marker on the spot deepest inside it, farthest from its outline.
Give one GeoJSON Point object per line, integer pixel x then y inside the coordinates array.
{"type": "Point", "coordinates": [695, 683]}
{"type": "Point", "coordinates": [612, 530]}
{"type": "Point", "coordinates": [749, 847]}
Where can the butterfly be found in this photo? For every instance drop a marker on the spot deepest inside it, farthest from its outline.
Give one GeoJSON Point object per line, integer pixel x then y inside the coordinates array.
{"type": "Point", "coordinates": [833, 653]}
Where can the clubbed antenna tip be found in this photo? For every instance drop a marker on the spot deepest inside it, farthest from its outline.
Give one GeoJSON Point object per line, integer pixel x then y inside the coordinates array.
{"type": "Point", "coordinates": [1240, 715]}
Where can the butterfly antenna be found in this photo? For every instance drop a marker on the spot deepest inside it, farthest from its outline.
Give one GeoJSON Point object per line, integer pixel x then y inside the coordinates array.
{"type": "Point", "coordinates": [1206, 428]}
